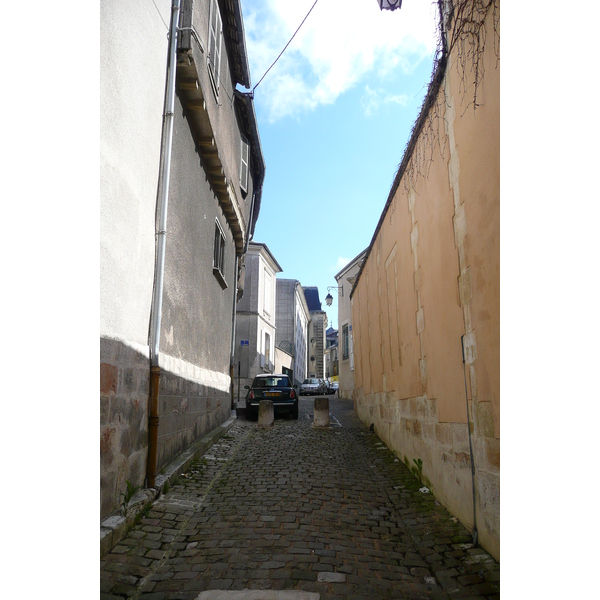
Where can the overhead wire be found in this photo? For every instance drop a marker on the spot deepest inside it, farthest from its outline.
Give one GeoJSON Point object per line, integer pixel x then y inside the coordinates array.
{"type": "Point", "coordinates": [273, 64]}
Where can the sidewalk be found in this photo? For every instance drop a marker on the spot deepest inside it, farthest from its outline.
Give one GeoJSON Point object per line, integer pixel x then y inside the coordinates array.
{"type": "Point", "coordinates": [324, 513]}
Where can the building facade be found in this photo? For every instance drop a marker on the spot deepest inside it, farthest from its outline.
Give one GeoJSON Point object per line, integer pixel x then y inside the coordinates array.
{"type": "Point", "coordinates": [173, 275]}
{"type": "Point", "coordinates": [316, 333]}
{"type": "Point", "coordinates": [255, 328]}
{"type": "Point", "coordinates": [426, 302]}
{"type": "Point", "coordinates": [292, 319]}
{"type": "Point", "coordinates": [331, 353]}
{"type": "Point", "coordinates": [345, 280]}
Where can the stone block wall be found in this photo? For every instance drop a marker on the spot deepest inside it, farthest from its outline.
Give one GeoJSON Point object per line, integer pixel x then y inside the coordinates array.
{"type": "Point", "coordinates": [411, 428]}
{"type": "Point", "coordinates": [124, 389]}
{"type": "Point", "coordinates": [192, 402]}
{"type": "Point", "coordinates": [188, 410]}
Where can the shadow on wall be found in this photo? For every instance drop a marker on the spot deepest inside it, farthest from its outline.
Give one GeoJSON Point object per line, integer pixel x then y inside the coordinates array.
{"type": "Point", "coordinates": [188, 410]}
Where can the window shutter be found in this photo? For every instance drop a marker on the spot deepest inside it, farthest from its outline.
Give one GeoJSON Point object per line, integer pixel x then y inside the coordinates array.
{"type": "Point", "coordinates": [214, 42]}
{"type": "Point", "coordinates": [244, 167]}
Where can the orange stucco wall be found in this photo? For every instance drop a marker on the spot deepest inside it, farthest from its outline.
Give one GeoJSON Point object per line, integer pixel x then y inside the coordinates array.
{"type": "Point", "coordinates": [431, 276]}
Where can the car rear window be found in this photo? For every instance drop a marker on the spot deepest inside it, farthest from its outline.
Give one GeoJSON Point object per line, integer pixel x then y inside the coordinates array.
{"type": "Point", "coordinates": [264, 382]}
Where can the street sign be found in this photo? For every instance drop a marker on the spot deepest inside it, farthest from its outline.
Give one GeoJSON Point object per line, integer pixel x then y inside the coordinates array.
{"type": "Point", "coordinates": [244, 342]}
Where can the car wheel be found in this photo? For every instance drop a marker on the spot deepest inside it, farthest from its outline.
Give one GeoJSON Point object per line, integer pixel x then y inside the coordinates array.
{"type": "Point", "coordinates": [295, 412]}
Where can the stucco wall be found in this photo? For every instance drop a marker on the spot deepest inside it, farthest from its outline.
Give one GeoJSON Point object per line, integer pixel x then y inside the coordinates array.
{"type": "Point", "coordinates": [432, 276]}
{"type": "Point", "coordinates": [193, 298]}
{"type": "Point", "coordinates": [131, 105]}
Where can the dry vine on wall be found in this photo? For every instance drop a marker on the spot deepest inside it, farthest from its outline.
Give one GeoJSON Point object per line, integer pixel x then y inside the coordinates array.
{"type": "Point", "coordinates": [462, 35]}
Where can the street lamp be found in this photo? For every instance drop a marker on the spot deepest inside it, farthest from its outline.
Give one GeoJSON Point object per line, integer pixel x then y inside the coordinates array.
{"type": "Point", "coordinates": [329, 297]}
{"type": "Point", "coordinates": [389, 4]}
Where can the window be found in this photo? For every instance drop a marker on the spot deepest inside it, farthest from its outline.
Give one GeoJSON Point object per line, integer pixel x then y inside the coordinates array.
{"type": "Point", "coordinates": [244, 166]}
{"type": "Point", "coordinates": [266, 382]}
{"type": "Point", "coordinates": [215, 34]}
{"type": "Point", "coordinates": [268, 297]}
{"type": "Point", "coordinates": [345, 342]}
{"type": "Point", "coordinates": [219, 255]}
{"type": "Point", "coordinates": [266, 363]}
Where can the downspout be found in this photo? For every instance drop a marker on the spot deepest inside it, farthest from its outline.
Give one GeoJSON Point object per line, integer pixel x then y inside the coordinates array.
{"type": "Point", "coordinates": [163, 183]}
{"type": "Point", "coordinates": [474, 533]}
{"type": "Point", "coordinates": [234, 311]}
{"type": "Point", "coordinates": [231, 357]}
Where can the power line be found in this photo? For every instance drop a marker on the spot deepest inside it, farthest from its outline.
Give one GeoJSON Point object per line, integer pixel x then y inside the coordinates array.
{"type": "Point", "coordinates": [297, 30]}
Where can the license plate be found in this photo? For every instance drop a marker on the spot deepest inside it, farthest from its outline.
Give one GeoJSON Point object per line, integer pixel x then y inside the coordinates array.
{"type": "Point", "coordinates": [273, 394]}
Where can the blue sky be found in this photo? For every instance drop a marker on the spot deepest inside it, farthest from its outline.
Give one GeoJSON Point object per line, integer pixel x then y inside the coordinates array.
{"type": "Point", "coordinates": [334, 116]}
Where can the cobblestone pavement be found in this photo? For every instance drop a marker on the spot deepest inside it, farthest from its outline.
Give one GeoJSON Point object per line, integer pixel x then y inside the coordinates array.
{"type": "Point", "coordinates": [293, 507]}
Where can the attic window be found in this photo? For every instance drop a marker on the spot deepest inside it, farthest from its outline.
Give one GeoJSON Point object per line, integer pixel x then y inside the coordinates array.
{"type": "Point", "coordinates": [244, 166]}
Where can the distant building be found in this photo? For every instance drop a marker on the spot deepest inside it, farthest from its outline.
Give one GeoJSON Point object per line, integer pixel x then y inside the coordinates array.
{"type": "Point", "coordinates": [331, 353]}
{"type": "Point", "coordinates": [292, 319]}
{"type": "Point", "coordinates": [345, 280]}
{"type": "Point", "coordinates": [255, 320]}
{"type": "Point", "coordinates": [316, 333]}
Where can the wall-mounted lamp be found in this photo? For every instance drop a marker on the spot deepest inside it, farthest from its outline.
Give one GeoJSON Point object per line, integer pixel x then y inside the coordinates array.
{"type": "Point", "coordinates": [389, 4]}
{"type": "Point", "coordinates": [329, 297]}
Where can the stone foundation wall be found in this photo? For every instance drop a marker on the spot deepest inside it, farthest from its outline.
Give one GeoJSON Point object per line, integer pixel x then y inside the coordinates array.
{"type": "Point", "coordinates": [410, 427]}
{"type": "Point", "coordinates": [188, 410]}
{"type": "Point", "coordinates": [192, 402]}
{"type": "Point", "coordinates": [124, 389]}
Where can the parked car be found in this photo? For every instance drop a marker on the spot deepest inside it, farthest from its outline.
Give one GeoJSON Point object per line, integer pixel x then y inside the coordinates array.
{"type": "Point", "coordinates": [335, 386]}
{"type": "Point", "coordinates": [276, 387]}
{"type": "Point", "coordinates": [312, 387]}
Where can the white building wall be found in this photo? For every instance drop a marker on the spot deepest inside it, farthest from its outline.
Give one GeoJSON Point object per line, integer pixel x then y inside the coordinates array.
{"type": "Point", "coordinates": [131, 106]}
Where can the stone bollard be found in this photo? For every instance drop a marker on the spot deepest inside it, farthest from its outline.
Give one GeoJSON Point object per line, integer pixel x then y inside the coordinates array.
{"type": "Point", "coordinates": [321, 418]}
{"type": "Point", "coordinates": [266, 415]}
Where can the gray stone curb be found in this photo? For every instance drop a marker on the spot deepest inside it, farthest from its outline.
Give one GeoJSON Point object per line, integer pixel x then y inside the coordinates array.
{"type": "Point", "coordinates": [114, 527]}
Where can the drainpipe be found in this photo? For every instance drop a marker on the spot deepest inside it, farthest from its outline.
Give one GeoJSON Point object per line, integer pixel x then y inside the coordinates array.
{"type": "Point", "coordinates": [161, 234]}
{"type": "Point", "coordinates": [231, 358]}
{"type": "Point", "coordinates": [474, 534]}
{"type": "Point", "coordinates": [233, 318]}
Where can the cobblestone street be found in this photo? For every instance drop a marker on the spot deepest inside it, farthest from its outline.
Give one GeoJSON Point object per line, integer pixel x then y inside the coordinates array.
{"type": "Point", "coordinates": [327, 511]}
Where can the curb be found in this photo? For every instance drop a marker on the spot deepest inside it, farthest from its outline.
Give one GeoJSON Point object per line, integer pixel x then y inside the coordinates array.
{"type": "Point", "coordinates": [114, 527]}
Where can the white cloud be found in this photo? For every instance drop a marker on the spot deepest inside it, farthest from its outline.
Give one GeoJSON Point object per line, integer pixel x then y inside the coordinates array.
{"type": "Point", "coordinates": [337, 46]}
{"type": "Point", "coordinates": [341, 263]}
{"type": "Point", "coordinates": [373, 99]}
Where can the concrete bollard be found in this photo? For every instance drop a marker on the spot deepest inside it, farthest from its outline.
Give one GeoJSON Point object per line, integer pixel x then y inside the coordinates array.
{"type": "Point", "coordinates": [266, 415]}
{"type": "Point", "coordinates": [321, 418]}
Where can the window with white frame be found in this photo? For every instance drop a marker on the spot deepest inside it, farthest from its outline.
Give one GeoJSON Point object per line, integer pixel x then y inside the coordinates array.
{"type": "Point", "coordinates": [215, 36]}
{"type": "Point", "coordinates": [219, 253]}
{"type": "Point", "coordinates": [244, 165]}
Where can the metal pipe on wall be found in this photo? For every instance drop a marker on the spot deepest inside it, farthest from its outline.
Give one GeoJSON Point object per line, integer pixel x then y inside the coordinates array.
{"type": "Point", "coordinates": [163, 202]}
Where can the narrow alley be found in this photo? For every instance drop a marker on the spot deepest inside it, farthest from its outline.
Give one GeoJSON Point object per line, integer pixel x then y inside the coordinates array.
{"type": "Point", "coordinates": [330, 513]}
